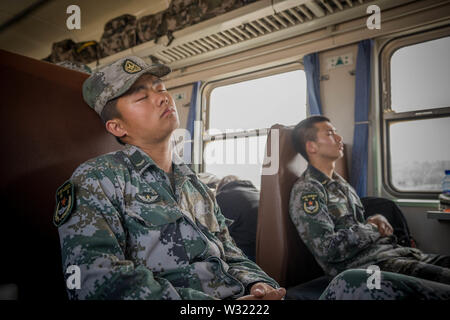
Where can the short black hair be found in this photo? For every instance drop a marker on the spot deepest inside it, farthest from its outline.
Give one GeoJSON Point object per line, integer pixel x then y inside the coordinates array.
{"type": "Point", "coordinates": [305, 131]}
{"type": "Point", "coordinates": [110, 112]}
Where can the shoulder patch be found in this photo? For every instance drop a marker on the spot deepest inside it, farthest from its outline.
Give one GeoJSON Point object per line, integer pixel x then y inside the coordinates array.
{"type": "Point", "coordinates": [64, 203]}
{"type": "Point", "coordinates": [310, 202]}
{"type": "Point", "coordinates": [131, 67]}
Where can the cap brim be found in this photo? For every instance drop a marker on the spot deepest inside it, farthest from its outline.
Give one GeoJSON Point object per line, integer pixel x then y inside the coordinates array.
{"type": "Point", "coordinates": [156, 70]}
{"type": "Point", "coordinates": [159, 71]}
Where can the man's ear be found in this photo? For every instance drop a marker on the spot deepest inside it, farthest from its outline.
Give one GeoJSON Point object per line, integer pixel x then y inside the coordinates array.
{"type": "Point", "coordinates": [311, 147]}
{"type": "Point", "coordinates": [116, 128]}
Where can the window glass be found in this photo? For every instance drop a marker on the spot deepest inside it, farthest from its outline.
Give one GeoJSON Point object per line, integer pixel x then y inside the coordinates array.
{"type": "Point", "coordinates": [242, 157]}
{"type": "Point", "coordinates": [420, 76]}
{"type": "Point", "coordinates": [259, 103]}
{"type": "Point", "coordinates": [419, 151]}
{"type": "Point", "coordinates": [253, 104]}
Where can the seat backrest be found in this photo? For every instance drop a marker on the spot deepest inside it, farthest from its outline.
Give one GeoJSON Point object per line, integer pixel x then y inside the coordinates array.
{"type": "Point", "coordinates": [47, 131]}
{"type": "Point", "coordinates": [279, 249]}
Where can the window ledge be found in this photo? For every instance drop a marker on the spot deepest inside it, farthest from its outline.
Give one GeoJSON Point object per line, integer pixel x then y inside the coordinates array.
{"type": "Point", "coordinates": [439, 215]}
{"type": "Point", "coordinates": [417, 203]}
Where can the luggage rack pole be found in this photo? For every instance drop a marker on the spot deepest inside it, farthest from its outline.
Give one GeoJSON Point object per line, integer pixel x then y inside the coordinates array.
{"type": "Point", "coordinates": [238, 134]}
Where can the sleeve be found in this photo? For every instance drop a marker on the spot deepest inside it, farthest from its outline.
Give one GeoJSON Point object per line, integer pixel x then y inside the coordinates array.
{"type": "Point", "coordinates": [93, 239]}
{"type": "Point", "coordinates": [242, 268]}
{"type": "Point", "coordinates": [329, 241]}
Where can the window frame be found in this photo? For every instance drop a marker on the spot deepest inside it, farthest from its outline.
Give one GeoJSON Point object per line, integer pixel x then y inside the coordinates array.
{"type": "Point", "coordinates": [389, 116]}
{"type": "Point", "coordinates": [232, 79]}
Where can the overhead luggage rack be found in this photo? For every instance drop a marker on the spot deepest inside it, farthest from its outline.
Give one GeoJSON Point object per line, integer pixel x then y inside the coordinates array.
{"type": "Point", "coordinates": [251, 26]}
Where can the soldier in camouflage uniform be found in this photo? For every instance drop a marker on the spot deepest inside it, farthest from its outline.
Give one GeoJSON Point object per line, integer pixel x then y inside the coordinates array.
{"type": "Point", "coordinates": [329, 216]}
{"type": "Point", "coordinates": [138, 222]}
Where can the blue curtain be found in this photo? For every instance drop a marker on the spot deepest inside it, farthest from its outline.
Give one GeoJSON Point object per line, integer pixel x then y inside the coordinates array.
{"type": "Point", "coordinates": [187, 153]}
{"type": "Point", "coordinates": [312, 70]}
{"type": "Point", "coordinates": [358, 175]}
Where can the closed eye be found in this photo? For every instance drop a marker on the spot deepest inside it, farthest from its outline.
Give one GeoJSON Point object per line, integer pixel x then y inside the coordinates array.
{"type": "Point", "coordinates": [143, 98]}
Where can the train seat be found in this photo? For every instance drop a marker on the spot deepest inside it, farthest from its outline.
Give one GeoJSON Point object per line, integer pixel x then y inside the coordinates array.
{"type": "Point", "coordinates": [47, 132]}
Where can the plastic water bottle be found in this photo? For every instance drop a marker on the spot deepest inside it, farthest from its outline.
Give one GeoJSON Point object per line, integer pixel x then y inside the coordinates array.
{"type": "Point", "coordinates": [444, 197]}
{"type": "Point", "coordinates": [446, 183]}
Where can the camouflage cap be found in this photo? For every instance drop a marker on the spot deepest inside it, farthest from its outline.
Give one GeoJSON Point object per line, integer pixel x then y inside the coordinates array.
{"type": "Point", "coordinates": [115, 79]}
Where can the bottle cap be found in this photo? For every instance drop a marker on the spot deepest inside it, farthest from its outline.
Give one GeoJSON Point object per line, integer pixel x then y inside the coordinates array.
{"type": "Point", "coordinates": [447, 172]}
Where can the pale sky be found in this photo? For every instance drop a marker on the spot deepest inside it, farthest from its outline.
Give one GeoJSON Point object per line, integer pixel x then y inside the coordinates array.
{"type": "Point", "coordinates": [259, 103]}
{"type": "Point", "coordinates": [253, 104]}
{"type": "Point", "coordinates": [420, 76]}
{"type": "Point", "coordinates": [423, 140]}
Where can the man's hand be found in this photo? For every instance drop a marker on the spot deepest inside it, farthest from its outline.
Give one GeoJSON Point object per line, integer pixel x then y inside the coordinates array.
{"type": "Point", "coordinates": [262, 291]}
{"type": "Point", "coordinates": [382, 224]}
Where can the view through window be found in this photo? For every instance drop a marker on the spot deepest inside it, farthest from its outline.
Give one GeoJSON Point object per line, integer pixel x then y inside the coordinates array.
{"type": "Point", "coordinates": [246, 109]}
{"type": "Point", "coordinates": [420, 153]}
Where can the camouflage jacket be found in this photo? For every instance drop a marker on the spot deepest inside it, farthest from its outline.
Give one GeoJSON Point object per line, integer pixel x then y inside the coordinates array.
{"type": "Point", "coordinates": [329, 217]}
{"type": "Point", "coordinates": [133, 237]}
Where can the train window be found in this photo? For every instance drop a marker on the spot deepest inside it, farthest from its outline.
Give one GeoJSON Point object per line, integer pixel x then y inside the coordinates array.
{"type": "Point", "coordinates": [416, 118]}
{"type": "Point", "coordinates": [239, 116]}
{"type": "Point", "coordinates": [224, 157]}
{"type": "Point", "coordinates": [420, 76]}
{"type": "Point", "coordinates": [419, 153]}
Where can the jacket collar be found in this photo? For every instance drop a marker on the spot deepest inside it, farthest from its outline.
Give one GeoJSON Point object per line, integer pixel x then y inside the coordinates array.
{"type": "Point", "coordinates": [318, 175]}
{"type": "Point", "coordinates": [142, 161]}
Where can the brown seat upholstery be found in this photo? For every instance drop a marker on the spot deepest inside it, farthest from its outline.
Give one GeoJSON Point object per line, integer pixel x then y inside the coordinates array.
{"type": "Point", "coordinates": [47, 131]}
{"type": "Point", "coordinates": [279, 250]}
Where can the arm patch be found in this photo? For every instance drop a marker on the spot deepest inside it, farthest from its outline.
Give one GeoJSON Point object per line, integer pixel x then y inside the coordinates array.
{"type": "Point", "coordinates": [64, 203]}
{"type": "Point", "coordinates": [310, 202]}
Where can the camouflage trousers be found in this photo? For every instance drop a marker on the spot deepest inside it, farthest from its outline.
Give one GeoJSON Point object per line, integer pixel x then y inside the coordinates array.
{"type": "Point", "coordinates": [352, 285]}
{"type": "Point", "coordinates": [425, 266]}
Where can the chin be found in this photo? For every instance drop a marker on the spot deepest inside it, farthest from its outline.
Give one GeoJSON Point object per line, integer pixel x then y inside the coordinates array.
{"type": "Point", "coordinates": [338, 156]}
{"type": "Point", "coordinates": [176, 123]}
